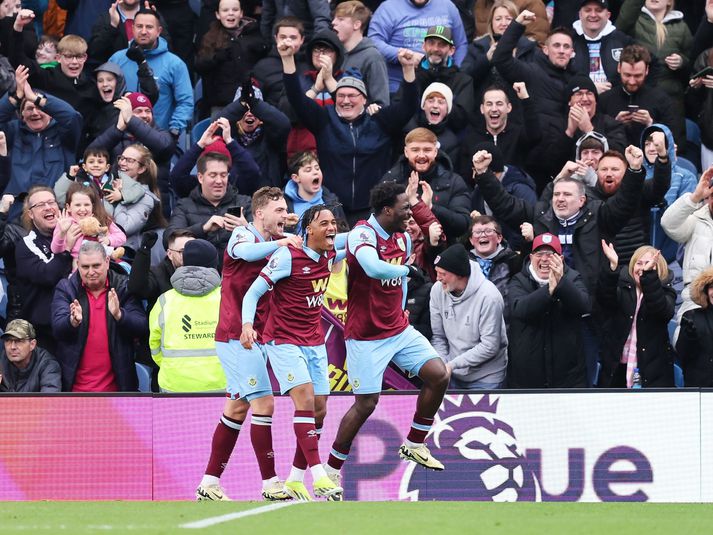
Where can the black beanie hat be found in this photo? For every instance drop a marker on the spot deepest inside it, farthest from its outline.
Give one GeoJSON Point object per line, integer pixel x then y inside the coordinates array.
{"type": "Point", "coordinates": [454, 260]}
{"type": "Point", "coordinates": [200, 253]}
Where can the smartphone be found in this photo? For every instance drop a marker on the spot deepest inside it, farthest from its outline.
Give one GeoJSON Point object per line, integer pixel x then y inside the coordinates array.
{"type": "Point", "coordinates": [632, 108]}
{"type": "Point", "coordinates": [708, 71]}
{"type": "Point", "coordinates": [234, 210]}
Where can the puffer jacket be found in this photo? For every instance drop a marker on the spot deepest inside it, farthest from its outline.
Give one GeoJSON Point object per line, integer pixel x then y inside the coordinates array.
{"type": "Point", "coordinates": [617, 296]}
{"type": "Point", "coordinates": [695, 339]}
{"type": "Point", "coordinates": [451, 196]}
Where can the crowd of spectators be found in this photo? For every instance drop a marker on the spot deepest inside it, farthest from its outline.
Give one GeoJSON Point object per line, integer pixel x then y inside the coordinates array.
{"type": "Point", "coordinates": [557, 156]}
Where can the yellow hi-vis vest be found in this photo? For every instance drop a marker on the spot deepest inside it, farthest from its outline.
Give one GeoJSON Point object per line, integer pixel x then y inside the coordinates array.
{"type": "Point", "coordinates": [182, 342]}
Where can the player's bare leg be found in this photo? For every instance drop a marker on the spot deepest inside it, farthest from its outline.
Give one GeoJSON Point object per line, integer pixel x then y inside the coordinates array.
{"type": "Point", "coordinates": [435, 377]}
{"type": "Point", "coordinates": [224, 438]}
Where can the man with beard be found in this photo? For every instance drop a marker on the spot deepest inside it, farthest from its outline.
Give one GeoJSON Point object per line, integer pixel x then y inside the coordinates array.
{"type": "Point", "coordinates": [452, 204]}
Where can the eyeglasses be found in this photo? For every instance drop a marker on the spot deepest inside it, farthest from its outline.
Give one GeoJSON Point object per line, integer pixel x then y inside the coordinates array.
{"type": "Point", "coordinates": [11, 341]}
{"type": "Point", "coordinates": [541, 254]}
{"type": "Point", "coordinates": [126, 159]}
{"type": "Point", "coordinates": [78, 57]}
{"type": "Point", "coordinates": [179, 251]}
{"type": "Point", "coordinates": [321, 50]}
{"type": "Point", "coordinates": [43, 204]}
{"type": "Point", "coordinates": [484, 232]}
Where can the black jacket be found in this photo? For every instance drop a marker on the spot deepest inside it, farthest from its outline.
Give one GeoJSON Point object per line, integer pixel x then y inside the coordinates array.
{"type": "Point", "coordinates": [269, 148]}
{"type": "Point", "coordinates": [695, 347]}
{"type": "Point", "coordinates": [418, 305]}
{"type": "Point", "coordinates": [149, 282]}
{"type": "Point", "coordinates": [41, 375]}
{"type": "Point", "coordinates": [617, 297]}
{"type": "Point", "coordinates": [611, 47]}
{"type": "Point", "coordinates": [71, 341]}
{"type": "Point", "coordinates": [544, 336]}
{"type": "Point", "coordinates": [224, 70]}
{"type": "Point", "coordinates": [193, 211]}
{"type": "Point", "coordinates": [451, 196]}
{"type": "Point", "coordinates": [637, 230]}
{"type": "Point", "coordinates": [598, 219]}
{"type": "Point", "coordinates": [652, 99]}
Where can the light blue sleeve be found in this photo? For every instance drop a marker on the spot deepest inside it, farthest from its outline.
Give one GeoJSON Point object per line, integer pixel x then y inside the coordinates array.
{"type": "Point", "coordinates": [341, 255]}
{"type": "Point", "coordinates": [183, 96]}
{"type": "Point", "coordinates": [257, 289]}
{"type": "Point", "coordinates": [362, 242]}
{"type": "Point", "coordinates": [278, 267]}
{"type": "Point", "coordinates": [242, 246]}
{"type": "Point", "coordinates": [340, 240]}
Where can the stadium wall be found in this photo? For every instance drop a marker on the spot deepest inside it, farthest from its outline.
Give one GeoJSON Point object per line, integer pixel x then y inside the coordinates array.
{"type": "Point", "coordinates": [585, 446]}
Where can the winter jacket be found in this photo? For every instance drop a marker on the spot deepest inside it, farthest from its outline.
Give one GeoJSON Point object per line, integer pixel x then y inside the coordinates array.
{"type": "Point", "coordinates": [368, 60]}
{"type": "Point", "coordinates": [132, 217]}
{"type": "Point", "coordinates": [298, 205]}
{"type": "Point", "coordinates": [537, 30]}
{"type": "Point", "coordinates": [469, 329]}
{"type": "Point", "coordinates": [314, 14]}
{"type": "Point", "coordinates": [107, 114]}
{"type": "Point", "coordinates": [464, 106]}
{"type": "Point", "coordinates": [41, 375]}
{"type": "Point", "coordinates": [681, 181]}
{"type": "Point", "coordinates": [352, 155]}
{"type": "Point", "coordinates": [545, 82]}
{"type": "Point", "coordinates": [518, 184]}
{"type": "Point", "coordinates": [156, 139]}
{"type": "Point", "coordinates": [116, 236]}
{"type": "Point", "coordinates": [105, 39]}
{"type": "Point", "coordinates": [71, 340]}
{"type": "Point", "coordinates": [611, 42]}
{"type": "Point", "coordinates": [652, 99]}
{"type": "Point", "coordinates": [617, 296]}
{"type": "Point", "coordinates": [637, 21]}
{"type": "Point", "coordinates": [690, 224]}
{"type": "Point", "coordinates": [38, 272]}
{"type": "Point", "coordinates": [598, 219]}
{"type": "Point", "coordinates": [545, 332]}
{"type": "Point", "coordinates": [81, 15]}
{"type": "Point", "coordinates": [193, 211]}
{"type": "Point", "coordinates": [451, 197]}
{"type": "Point", "coordinates": [186, 355]}
{"type": "Point", "coordinates": [224, 70]}
{"type": "Point", "coordinates": [268, 73]}
{"type": "Point", "coordinates": [419, 317]}
{"type": "Point", "coordinates": [565, 148]}
{"type": "Point", "coordinates": [268, 149]}
{"type": "Point", "coordinates": [401, 24]}
{"type": "Point", "coordinates": [38, 159]}
{"type": "Point", "coordinates": [424, 254]}
{"type": "Point", "coordinates": [174, 107]}
{"type": "Point", "coordinates": [700, 100]}
{"type": "Point", "coordinates": [695, 339]}
{"type": "Point", "coordinates": [147, 281]}
{"type": "Point", "coordinates": [131, 191]}
{"type": "Point", "coordinates": [506, 264]}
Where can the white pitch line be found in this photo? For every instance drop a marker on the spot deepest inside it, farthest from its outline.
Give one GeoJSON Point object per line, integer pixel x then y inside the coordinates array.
{"type": "Point", "coordinates": [207, 522]}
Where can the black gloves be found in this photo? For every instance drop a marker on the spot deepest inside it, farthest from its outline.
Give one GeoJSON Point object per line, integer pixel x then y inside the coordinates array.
{"type": "Point", "coordinates": [135, 54]}
{"type": "Point", "coordinates": [148, 240]}
{"type": "Point", "coordinates": [247, 93]}
{"type": "Point", "coordinates": [415, 273]}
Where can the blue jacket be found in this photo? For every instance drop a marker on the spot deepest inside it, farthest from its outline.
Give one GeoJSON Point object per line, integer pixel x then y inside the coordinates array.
{"type": "Point", "coordinates": [400, 24]}
{"type": "Point", "coordinates": [682, 181]}
{"type": "Point", "coordinates": [353, 155]}
{"type": "Point", "coordinates": [174, 108]}
{"type": "Point", "coordinates": [40, 158]}
{"type": "Point", "coordinates": [297, 205]}
{"type": "Point", "coordinates": [71, 340]}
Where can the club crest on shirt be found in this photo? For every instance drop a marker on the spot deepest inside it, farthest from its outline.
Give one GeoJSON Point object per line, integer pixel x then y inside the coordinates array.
{"type": "Point", "coordinates": [616, 54]}
{"type": "Point", "coordinates": [400, 242]}
{"type": "Point", "coordinates": [252, 381]}
{"type": "Point", "coordinates": [364, 236]}
{"type": "Point", "coordinates": [290, 377]}
{"type": "Point", "coordinates": [272, 265]}
{"type": "Point", "coordinates": [355, 383]}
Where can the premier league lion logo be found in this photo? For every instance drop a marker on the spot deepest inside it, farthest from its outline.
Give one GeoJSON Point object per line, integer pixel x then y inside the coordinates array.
{"type": "Point", "coordinates": [482, 458]}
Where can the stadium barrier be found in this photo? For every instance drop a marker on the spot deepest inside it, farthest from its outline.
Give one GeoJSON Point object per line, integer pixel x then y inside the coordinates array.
{"type": "Point", "coordinates": [568, 446]}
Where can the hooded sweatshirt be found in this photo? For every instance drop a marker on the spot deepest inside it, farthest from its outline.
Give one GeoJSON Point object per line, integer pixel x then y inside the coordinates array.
{"type": "Point", "coordinates": [366, 58]}
{"type": "Point", "coordinates": [601, 51]}
{"type": "Point", "coordinates": [682, 181]}
{"type": "Point", "coordinates": [469, 329]}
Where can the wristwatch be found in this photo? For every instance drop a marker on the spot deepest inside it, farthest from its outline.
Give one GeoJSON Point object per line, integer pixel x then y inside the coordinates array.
{"type": "Point", "coordinates": [38, 99]}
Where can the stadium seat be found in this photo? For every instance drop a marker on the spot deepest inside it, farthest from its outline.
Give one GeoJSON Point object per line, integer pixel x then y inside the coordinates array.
{"type": "Point", "coordinates": [692, 150]}
{"type": "Point", "coordinates": [687, 164]}
{"type": "Point", "coordinates": [144, 373]}
{"type": "Point", "coordinates": [199, 128]}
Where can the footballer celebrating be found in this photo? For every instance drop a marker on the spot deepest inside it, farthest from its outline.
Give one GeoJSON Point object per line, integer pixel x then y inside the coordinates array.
{"type": "Point", "coordinates": [377, 328]}
{"type": "Point", "coordinates": [248, 384]}
{"type": "Point", "coordinates": [294, 339]}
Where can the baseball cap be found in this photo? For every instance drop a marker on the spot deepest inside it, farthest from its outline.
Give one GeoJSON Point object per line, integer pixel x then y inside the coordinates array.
{"type": "Point", "coordinates": [602, 3]}
{"type": "Point", "coordinates": [547, 240]}
{"type": "Point", "coordinates": [441, 32]}
{"type": "Point", "coordinates": [21, 329]}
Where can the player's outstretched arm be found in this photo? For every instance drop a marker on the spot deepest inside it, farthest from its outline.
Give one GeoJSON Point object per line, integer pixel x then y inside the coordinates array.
{"type": "Point", "coordinates": [257, 289]}
{"type": "Point", "coordinates": [362, 243]}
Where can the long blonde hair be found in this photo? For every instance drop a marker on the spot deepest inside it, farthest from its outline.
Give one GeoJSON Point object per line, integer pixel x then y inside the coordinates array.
{"type": "Point", "coordinates": [661, 265]}
{"type": "Point", "coordinates": [507, 4]}
{"type": "Point", "coordinates": [661, 29]}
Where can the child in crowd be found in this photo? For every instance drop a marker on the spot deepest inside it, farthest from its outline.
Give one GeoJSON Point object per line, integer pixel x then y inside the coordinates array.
{"type": "Point", "coordinates": [46, 54]}
{"type": "Point", "coordinates": [83, 202]}
{"type": "Point", "coordinates": [305, 187]}
{"type": "Point", "coordinates": [95, 171]}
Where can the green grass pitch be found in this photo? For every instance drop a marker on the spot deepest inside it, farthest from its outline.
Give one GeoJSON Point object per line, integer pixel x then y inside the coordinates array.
{"type": "Point", "coordinates": [437, 518]}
